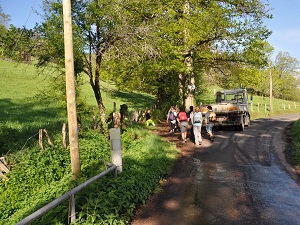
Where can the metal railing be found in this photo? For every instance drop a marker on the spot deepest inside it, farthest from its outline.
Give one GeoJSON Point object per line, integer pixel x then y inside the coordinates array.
{"type": "Point", "coordinates": [69, 195]}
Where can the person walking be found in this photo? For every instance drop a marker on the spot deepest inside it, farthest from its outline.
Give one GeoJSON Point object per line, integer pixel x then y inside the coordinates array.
{"type": "Point", "coordinates": [149, 121]}
{"type": "Point", "coordinates": [196, 120]}
{"type": "Point", "coordinates": [191, 114]}
{"type": "Point", "coordinates": [171, 118]}
{"type": "Point", "coordinates": [183, 122]}
{"type": "Point", "coordinates": [210, 117]}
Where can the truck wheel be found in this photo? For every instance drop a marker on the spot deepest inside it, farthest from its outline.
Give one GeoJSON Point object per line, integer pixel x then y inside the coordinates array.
{"type": "Point", "coordinates": [240, 127]}
{"type": "Point", "coordinates": [247, 120]}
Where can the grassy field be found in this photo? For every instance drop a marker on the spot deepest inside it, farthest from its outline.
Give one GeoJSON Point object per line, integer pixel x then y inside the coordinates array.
{"type": "Point", "coordinates": [23, 81]}
{"type": "Point", "coordinates": [134, 101]}
{"type": "Point", "coordinates": [19, 81]}
{"type": "Point", "coordinates": [22, 114]}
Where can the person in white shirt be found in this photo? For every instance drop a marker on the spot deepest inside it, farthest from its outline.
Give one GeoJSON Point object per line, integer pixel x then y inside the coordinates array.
{"type": "Point", "coordinates": [196, 119]}
{"type": "Point", "coordinates": [210, 116]}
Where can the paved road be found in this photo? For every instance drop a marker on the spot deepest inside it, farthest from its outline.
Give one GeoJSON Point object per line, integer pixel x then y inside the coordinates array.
{"type": "Point", "coordinates": [240, 178]}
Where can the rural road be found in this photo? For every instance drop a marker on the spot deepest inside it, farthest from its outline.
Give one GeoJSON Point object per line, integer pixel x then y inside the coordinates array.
{"type": "Point", "coordinates": [240, 178]}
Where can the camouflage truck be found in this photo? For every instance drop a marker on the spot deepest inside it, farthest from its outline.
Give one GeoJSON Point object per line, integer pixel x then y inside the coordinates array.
{"type": "Point", "coordinates": [231, 108]}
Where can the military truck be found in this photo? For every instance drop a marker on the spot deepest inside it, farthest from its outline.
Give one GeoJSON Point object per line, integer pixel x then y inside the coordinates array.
{"type": "Point", "coordinates": [231, 108]}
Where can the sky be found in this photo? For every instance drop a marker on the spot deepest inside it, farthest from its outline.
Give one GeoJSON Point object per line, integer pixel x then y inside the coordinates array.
{"type": "Point", "coordinates": [284, 25]}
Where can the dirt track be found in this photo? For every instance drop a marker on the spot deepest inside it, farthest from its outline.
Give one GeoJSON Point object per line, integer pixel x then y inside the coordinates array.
{"type": "Point", "coordinates": [238, 179]}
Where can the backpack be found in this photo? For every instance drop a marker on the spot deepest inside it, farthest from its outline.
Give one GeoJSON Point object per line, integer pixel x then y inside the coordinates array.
{"type": "Point", "coordinates": [198, 117]}
{"type": "Point", "coordinates": [171, 116]}
{"type": "Point", "coordinates": [212, 117]}
{"type": "Point", "coordinates": [182, 116]}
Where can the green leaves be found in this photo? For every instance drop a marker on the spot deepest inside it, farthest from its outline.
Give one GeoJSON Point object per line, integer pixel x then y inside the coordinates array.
{"type": "Point", "coordinates": [39, 177]}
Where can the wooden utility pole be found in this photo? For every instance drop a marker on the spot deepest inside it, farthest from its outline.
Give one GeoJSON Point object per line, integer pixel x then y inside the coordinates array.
{"type": "Point", "coordinates": [70, 90]}
{"type": "Point", "coordinates": [271, 91]}
{"type": "Point", "coordinates": [189, 101]}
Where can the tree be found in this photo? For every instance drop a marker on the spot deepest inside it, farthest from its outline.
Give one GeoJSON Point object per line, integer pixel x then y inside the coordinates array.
{"type": "Point", "coordinates": [18, 43]}
{"type": "Point", "coordinates": [286, 77]}
{"type": "Point", "coordinates": [4, 18]}
{"type": "Point", "coordinates": [98, 27]}
{"type": "Point", "coordinates": [195, 36]}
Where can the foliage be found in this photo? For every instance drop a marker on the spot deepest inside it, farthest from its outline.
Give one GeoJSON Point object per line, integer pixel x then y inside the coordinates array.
{"type": "Point", "coordinates": [228, 37]}
{"type": "Point", "coordinates": [40, 176]}
{"type": "Point", "coordinates": [284, 73]}
{"type": "Point", "coordinates": [4, 19]}
{"type": "Point", "coordinates": [286, 77]}
{"type": "Point", "coordinates": [18, 43]}
{"type": "Point", "coordinates": [294, 134]}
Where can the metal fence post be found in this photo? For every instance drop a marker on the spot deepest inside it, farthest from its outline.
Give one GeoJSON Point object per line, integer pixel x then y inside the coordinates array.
{"type": "Point", "coordinates": [72, 208]}
{"type": "Point", "coordinates": [116, 148]}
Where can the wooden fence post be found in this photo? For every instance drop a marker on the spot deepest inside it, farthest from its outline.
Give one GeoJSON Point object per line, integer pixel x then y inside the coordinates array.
{"type": "Point", "coordinates": [3, 168]}
{"type": "Point", "coordinates": [265, 108]}
{"type": "Point", "coordinates": [64, 135]}
{"type": "Point", "coordinates": [41, 139]}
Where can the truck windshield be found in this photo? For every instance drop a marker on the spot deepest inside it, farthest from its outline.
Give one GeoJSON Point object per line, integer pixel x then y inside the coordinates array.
{"type": "Point", "coordinates": [235, 97]}
{"type": "Point", "coordinates": [232, 97]}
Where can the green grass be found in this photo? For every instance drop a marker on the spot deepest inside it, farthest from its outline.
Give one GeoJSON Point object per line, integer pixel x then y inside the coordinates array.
{"type": "Point", "coordinates": [260, 107]}
{"type": "Point", "coordinates": [22, 114]}
{"type": "Point", "coordinates": [294, 134]}
{"type": "Point", "coordinates": [134, 101]}
{"type": "Point", "coordinates": [20, 81]}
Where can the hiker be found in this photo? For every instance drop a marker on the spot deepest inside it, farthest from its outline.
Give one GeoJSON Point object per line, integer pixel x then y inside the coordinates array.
{"type": "Point", "coordinates": [171, 118]}
{"type": "Point", "coordinates": [196, 120]}
{"type": "Point", "coordinates": [183, 122]}
{"type": "Point", "coordinates": [149, 121]}
{"type": "Point", "coordinates": [191, 114]}
{"type": "Point", "coordinates": [210, 117]}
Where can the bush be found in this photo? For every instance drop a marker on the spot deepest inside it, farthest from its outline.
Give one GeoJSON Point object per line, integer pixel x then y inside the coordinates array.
{"type": "Point", "coordinates": [294, 133]}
